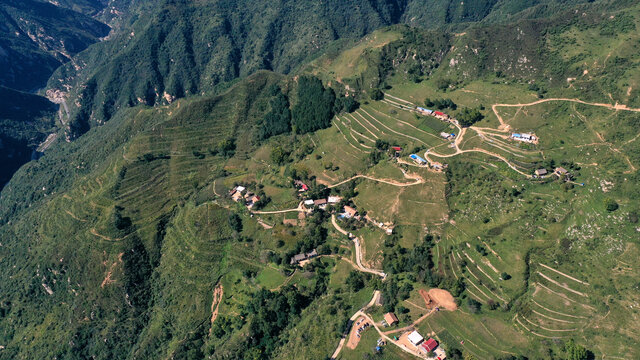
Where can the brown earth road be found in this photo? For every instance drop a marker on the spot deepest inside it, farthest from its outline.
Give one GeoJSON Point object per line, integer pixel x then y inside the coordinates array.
{"type": "Point", "coordinates": [545, 328]}
{"type": "Point", "coordinates": [558, 313]}
{"type": "Point", "coordinates": [418, 180]}
{"type": "Point", "coordinates": [298, 209]}
{"type": "Point", "coordinates": [345, 139]}
{"type": "Point", "coordinates": [356, 241]}
{"type": "Point", "coordinates": [609, 106]}
{"type": "Point", "coordinates": [366, 128]}
{"type": "Point", "coordinates": [397, 98]}
{"type": "Point", "coordinates": [426, 155]}
{"type": "Point", "coordinates": [75, 217]}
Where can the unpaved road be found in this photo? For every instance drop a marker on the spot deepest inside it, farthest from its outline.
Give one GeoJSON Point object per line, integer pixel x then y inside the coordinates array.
{"type": "Point", "coordinates": [356, 241]}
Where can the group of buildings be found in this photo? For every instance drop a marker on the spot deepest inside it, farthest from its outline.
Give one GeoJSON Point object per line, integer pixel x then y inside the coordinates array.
{"type": "Point", "coordinates": [240, 193]}
{"type": "Point", "coordinates": [560, 172]}
{"type": "Point", "coordinates": [310, 204]}
{"type": "Point", "coordinates": [429, 345]}
{"type": "Point", "coordinates": [440, 115]}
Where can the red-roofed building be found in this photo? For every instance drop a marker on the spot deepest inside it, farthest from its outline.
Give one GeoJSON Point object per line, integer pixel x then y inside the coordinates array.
{"type": "Point", "coordinates": [438, 113]}
{"type": "Point", "coordinates": [396, 150]}
{"type": "Point", "coordinates": [430, 344]}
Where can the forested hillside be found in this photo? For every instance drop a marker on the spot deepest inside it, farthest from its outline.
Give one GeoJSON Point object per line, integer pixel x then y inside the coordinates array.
{"type": "Point", "coordinates": [182, 48]}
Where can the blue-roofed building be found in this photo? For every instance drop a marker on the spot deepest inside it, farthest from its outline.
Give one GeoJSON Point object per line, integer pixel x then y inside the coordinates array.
{"type": "Point", "coordinates": [418, 159]}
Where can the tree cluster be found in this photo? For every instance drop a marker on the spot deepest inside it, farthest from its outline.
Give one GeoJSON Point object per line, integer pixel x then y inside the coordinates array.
{"type": "Point", "coordinates": [468, 117]}
{"type": "Point", "coordinates": [278, 120]}
{"type": "Point", "coordinates": [314, 108]}
{"type": "Point", "coordinates": [440, 104]}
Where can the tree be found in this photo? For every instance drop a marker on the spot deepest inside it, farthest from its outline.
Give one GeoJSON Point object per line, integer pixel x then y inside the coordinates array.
{"type": "Point", "coordinates": [473, 305]}
{"type": "Point", "coordinates": [355, 281]}
{"type": "Point", "coordinates": [505, 276]}
{"type": "Point", "coordinates": [345, 104]}
{"type": "Point", "coordinates": [235, 222]}
{"type": "Point", "coordinates": [382, 145]}
{"type": "Point", "coordinates": [443, 83]}
{"type": "Point", "coordinates": [227, 147]}
{"type": "Point", "coordinates": [376, 94]}
{"type": "Point", "coordinates": [278, 120]}
{"type": "Point", "coordinates": [611, 204]}
{"type": "Point", "coordinates": [278, 155]}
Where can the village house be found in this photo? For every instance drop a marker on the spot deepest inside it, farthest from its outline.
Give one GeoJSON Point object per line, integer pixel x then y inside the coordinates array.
{"type": "Point", "coordinates": [320, 203]}
{"type": "Point", "coordinates": [237, 196]}
{"type": "Point", "coordinates": [437, 166]}
{"type": "Point", "coordinates": [334, 199]}
{"type": "Point", "coordinates": [252, 200]}
{"type": "Point", "coordinates": [541, 172]}
{"type": "Point", "coordinates": [441, 115]}
{"type": "Point", "coordinates": [390, 318]}
{"type": "Point", "coordinates": [349, 212]}
{"type": "Point", "coordinates": [430, 345]}
{"type": "Point", "coordinates": [562, 173]}
{"type": "Point", "coordinates": [524, 137]}
{"type": "Point", "coordinates": [447, 135]}
{"type": "Point", "coordinates": [396, 151]}
{"type": "Point", "coordinates": [417, 159]}
{"type": "Point", "coordinates": [415, 338]}
{"type": "Point", "coordinates": [300, 185]}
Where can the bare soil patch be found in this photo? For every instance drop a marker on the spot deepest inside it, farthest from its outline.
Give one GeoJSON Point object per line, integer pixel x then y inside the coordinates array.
{"type": "Point", "coordinates": [441, 298]}
{"type": "Point", "coordinates": [218, 291]}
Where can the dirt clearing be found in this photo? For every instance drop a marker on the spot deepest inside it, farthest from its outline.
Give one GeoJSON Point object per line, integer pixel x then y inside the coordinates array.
{"type": "Point", "coordinates": [440, 298]}
{"type": "Point", "coordinates": [354, 338]}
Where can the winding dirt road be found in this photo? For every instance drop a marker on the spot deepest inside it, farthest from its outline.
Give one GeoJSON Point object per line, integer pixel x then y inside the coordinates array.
{"type": "Point", "coordinates": [356, 241]}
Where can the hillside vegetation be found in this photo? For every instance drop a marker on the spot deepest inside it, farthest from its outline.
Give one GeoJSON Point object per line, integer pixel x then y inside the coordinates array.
{"type": "Point", "coordinates": [126, 243]}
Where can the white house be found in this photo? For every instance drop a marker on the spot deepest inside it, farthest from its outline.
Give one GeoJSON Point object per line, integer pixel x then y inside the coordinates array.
{"type": "Point", "coordinates": [415, 338]}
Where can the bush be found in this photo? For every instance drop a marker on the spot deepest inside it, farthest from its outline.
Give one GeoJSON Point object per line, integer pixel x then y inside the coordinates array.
{"type": "Point", "coordinates": [610, 204]}
{"type": "Point", "coordinates": [235, 222]}
{"type": "Point", "coordinates": [376, 94]}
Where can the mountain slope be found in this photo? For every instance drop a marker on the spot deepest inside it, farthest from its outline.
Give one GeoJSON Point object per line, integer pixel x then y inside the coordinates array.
{"type": "Point", "coordinates": [25, 120]}
{"type": "Point", "coordinates": [182, 48]}
{"type": "Point", "coordinates": [37, 37]}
